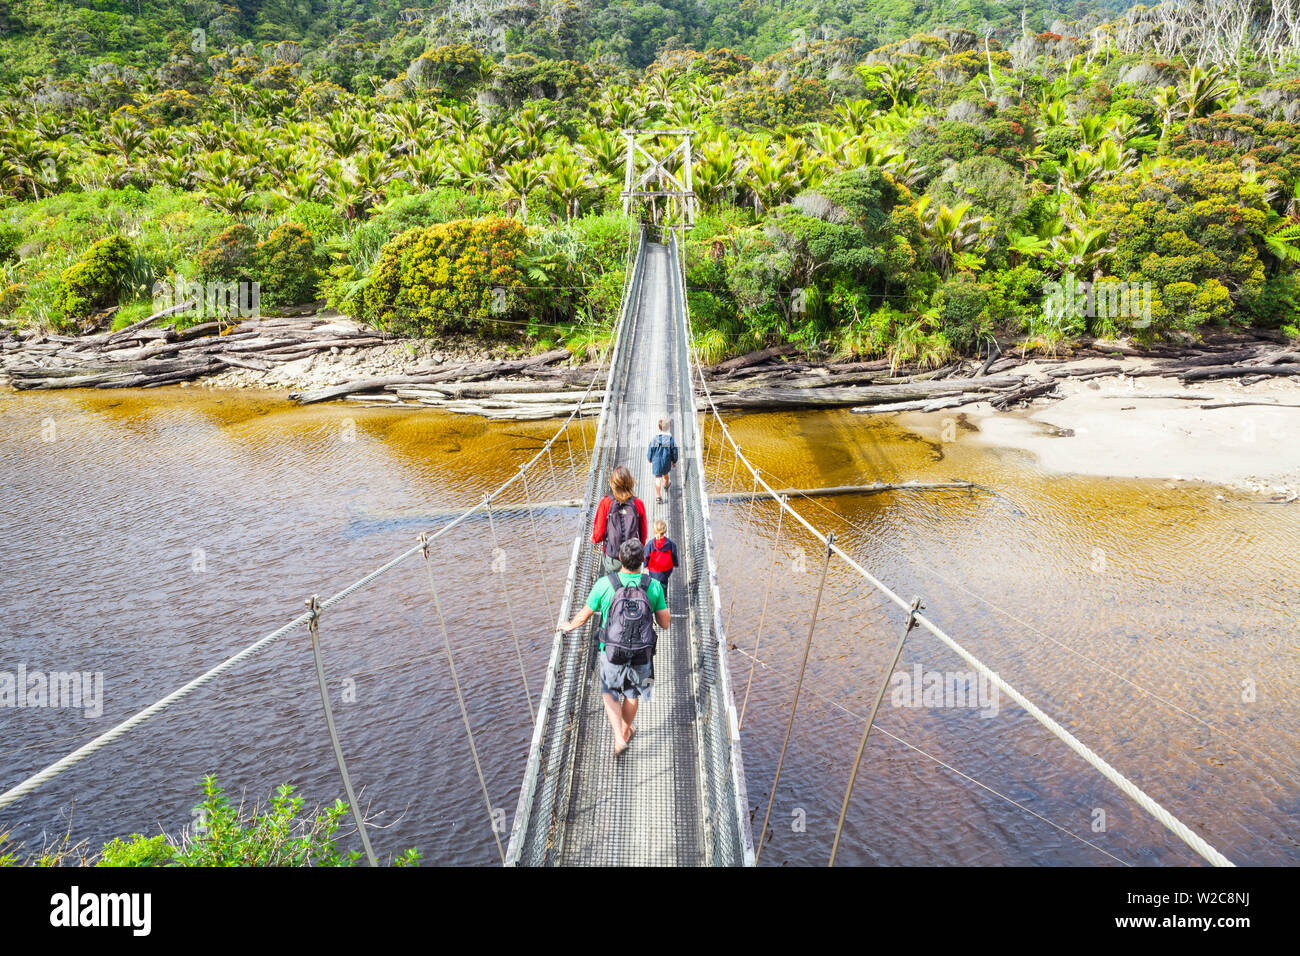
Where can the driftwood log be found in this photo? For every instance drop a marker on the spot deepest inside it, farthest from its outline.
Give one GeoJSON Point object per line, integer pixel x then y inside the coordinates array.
{"type": "Point", "coordinates": [834, 397]}
{"type": "Point", "coordinates": [141, 357]}
{"type": "Point", "coordinates": [465, 372]}
{"type": "Point", "coordinates": [836, 490]}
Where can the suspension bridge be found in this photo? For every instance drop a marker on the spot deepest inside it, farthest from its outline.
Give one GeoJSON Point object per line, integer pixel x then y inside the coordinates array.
{"type": "Point", "coordinates": [678, 796]}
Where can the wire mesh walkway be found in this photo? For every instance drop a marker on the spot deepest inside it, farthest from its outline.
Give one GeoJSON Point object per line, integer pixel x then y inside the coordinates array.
{"type": "Point", "coordinates": [676, 797]}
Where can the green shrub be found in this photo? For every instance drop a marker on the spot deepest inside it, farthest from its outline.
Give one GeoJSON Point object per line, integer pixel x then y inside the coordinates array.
{"type": "Point", "coordinates": [1013, 296]}
{"type": "Point", "coordinates": [96, 279]}
{"type": "Point", "coordinates": [137, 850]}
{"type": "Point", "coordinates": [355, 254]}
{"type": "Point", "coordinates": [11, 237]}
{"type": "Point", "coordinates": [444, 204]}
{"type": "Point", "coordinates": [277, 834]}
{"type": "Point", "coordinates": [1279, 302]}
{"type": "Point", "coordinates": [287, 266]}
{"type": "Point", "coordinates": [229, 257]}
{"type": "Point", "coordinates": [920, 343]}
{"type": "Point", "coordinates": [874, 333]}
{"type": "Point", "coordinates": [962, 305]}
{"type": "Point", "coordinates": [319, 219]}
{"type": "Point", "coordinates": [447, 276]}
{"type": "Point", "coordinates": [1187, 306]}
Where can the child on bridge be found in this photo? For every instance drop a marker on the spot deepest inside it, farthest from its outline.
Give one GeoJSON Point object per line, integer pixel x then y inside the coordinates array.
{"type": "Point", "coordinates": [661, 555]}
{"type": "Point", "coordinates": [662, 455]}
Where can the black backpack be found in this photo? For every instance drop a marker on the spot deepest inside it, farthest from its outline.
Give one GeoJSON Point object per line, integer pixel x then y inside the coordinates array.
{"type": "Point", "coordinates": [621, 524]}
{"type": "Point", "coordinates": [629, 636]}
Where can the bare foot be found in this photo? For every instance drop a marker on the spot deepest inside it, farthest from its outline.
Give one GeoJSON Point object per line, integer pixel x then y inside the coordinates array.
{"type": "Point", "coordinates": [619, 748]}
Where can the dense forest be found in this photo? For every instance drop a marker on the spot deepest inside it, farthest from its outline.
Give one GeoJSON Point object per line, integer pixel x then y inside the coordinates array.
{"type": "Point", "coordinates": [894, 178]}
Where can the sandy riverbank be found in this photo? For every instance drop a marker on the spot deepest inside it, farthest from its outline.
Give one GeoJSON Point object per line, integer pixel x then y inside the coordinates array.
{"type": "Point", "coordinates": [1153, 427]}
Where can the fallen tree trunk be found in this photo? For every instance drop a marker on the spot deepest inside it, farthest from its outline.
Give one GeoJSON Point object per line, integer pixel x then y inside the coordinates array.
{"type": "Point", "coordinates": [125, 332]}
{"type": "Point", "coordinates": [559, 390]}
{"type": "Point", "coordinates": [1236, 371]}
{"type": "Point", "coordinates": [1185, 397]}
{"type": "Point", "coordinates": [1093, 371]}
{"type": "Point", "coordinates": [361, 385]}
{"type": "Point", "coordinates": [804, 381]}
{"type": "Point", "coordinates": [524, 412]}
{"type": "Point", "coordinates": [835, 490]}
{"type": "Point", "coordinates": [772, 398]}
{"type": "Point", "coordinates": [752, 358]}
{"type": "Point", "coordinates": [875, 365]}
{"type": "Point", "coordinates": [994, 354]}
{"type": "Point", "coordinates": [1278, 358]}
{"type": "Point", "coordinates": [1024, 394]}
{"type": "Point", "coordinates": [463, 372]}
{"type": "Point", "coordinates": [922, 405]}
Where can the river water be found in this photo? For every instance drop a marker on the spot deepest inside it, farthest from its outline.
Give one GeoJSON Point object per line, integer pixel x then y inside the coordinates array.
{"type": "Point", "coordinates": [148, 535]}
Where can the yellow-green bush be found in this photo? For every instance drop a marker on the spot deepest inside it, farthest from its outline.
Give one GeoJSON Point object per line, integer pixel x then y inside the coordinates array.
{"type": "Point", "coordinates": [96, 278]}
{"type": "Point", "coordinates": [460, 275]}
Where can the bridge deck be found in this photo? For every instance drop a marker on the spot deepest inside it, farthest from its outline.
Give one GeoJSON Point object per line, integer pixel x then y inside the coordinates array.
{"type": "Point", "coordinates": [671, 799]}
{"type": "Point", "coordinates": [644, 807]}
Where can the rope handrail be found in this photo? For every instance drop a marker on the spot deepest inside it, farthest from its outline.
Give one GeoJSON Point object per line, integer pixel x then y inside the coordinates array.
{"type": "Point", "coordinates": [1126, 786]}
{"type": "Point", "coordinates": [41, 777]}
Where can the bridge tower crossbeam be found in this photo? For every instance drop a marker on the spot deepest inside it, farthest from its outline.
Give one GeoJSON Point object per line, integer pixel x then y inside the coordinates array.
{"type": "Point", "coordinates": [647, 177]}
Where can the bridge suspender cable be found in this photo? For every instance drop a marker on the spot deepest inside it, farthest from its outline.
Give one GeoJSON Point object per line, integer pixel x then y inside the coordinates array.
{"type": "Point", "coordinates": [499, 565]}
{"type": "Point", "coordinates": [460, 699]}
{"type": "Point", "coordinates": [762, 618]}
{"type": "Point", "coordinates": [871, 719]}
{"type": "Point", "coordinates": [314, 627]}
{"type": "Point", "coordinates": [794, 704]}
{"type": "Point", "coordinates": [1126, 786]}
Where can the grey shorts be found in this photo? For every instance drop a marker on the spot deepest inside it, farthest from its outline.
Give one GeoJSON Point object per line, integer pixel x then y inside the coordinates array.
{"type": "Point", "coordinates": [623, 680]}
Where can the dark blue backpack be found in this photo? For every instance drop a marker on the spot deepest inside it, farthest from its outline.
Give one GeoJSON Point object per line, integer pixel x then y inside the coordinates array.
{"type": "Point", "coordinates": [662, 453]}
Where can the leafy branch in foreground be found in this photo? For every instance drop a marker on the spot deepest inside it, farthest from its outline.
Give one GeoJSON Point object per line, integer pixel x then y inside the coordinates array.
{"type": "Point", "coordinates": [223, 834]}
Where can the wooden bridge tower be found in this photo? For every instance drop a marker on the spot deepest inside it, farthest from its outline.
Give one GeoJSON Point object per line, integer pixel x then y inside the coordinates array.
{"type": "Point", "coordinates": [669, 195]}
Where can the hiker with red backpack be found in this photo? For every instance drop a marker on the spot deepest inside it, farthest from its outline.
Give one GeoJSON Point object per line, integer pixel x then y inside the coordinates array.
{"type": "Point", "coordinates": [662, 455]}
{"type": "Point", "coordinates": [630, 603]}
{"type": "Point", "coordinates": [661, 555]}
{"type": "Point", "coordinates": [619, 517]}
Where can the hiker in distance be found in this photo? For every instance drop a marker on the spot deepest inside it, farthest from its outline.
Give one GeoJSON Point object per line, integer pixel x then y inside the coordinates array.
{"type": "Point", "coordinates": [619, 517]}
{"type": "Point", "coordinates": [661, 555]}
{"type": "Point", "coordinates": [662, 456]}
{"type": "Point", "coordinates": [630, 604]}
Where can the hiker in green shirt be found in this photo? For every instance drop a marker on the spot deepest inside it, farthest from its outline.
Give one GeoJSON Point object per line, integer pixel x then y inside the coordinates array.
{"type": "Point", "coordinates": [623, 685]}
